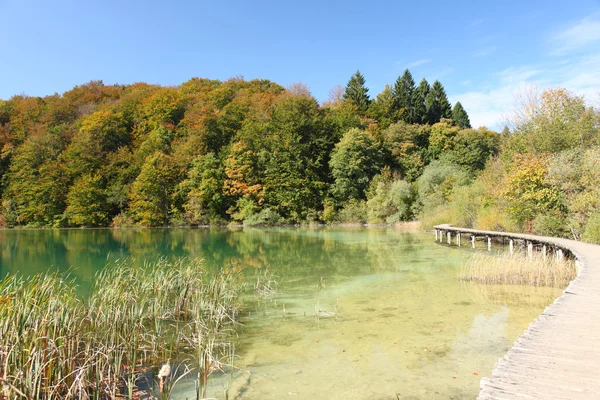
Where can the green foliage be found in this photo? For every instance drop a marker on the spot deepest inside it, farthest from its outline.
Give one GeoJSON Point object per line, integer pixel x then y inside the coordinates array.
{"type": "Point", "coordinates": [592, 229]}
{"type": "Point", "coordinates": [419, 102]}
{"type": "Point", "coordinates": [389, 201]}
{"type": "Point", "coordinates": [352, 212]}
{"type": "Point", "coordinates": [354, 161]}
{"type": "Point", "coordinates": [460, 117]}
{"type": "Point", "coordinates": [472, 148]}
{"type": "Point", "coordinates": [552, 122]}
{"type": "Point", "coordinates": [550, 224]}
{"type": "Point", "coordinates": [37, 184]}
{"type": "Point", "coordinates": [437, 104]}
{"type": "Point", "coordinates": [468, 148]}
{"type": "Point", "coordinates": [575, 174]}
{"type": "Point", "coordinates": [150, 198]}
{"type": "Point", "coordinates": [86, 202]}
{"type": "Point", "coordinates": [407, 146]}
{"type": "Point", "coordinates": [436, 185]}
{"type": "Point", "coordinates": [356, 92]}
{"type": "Point", "coordinates": [211, 152]}
{"type": "Point", "coordinates": [441, 139]}
{"type": "Point", "coordinates": [295, 157]}
{"type": "Point", "coordinates": [383, 108]}
{"type": "Point", "coordinates": [528, 192]}
{"type": "Point", "coordinates": [266, 217]}
{"type": "Point", "coordinates": [204, 199]}
{"type": "Point", "coordinates": [403, 94]}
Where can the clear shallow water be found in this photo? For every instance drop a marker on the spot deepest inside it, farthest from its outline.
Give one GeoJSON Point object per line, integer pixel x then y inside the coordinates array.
{"type": "Point", "coordinates": [405, 323]}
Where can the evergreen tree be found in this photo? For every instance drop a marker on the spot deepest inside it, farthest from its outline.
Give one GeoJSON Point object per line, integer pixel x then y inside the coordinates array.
{"type": "Point", "coordinates": [403, 92]}
{"type": "Point", "coordinates": [460, 116]}
{"type": "Point", "coordinates": [419, 108]}
{"type": "Point", "coordinates": [437, 104]}
{"type": "Point", "coordinates": [356, 92]}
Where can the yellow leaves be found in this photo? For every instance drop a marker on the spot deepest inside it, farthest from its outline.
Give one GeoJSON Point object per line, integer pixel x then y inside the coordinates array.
{"type": "Point", "coordinates": [240, 169]}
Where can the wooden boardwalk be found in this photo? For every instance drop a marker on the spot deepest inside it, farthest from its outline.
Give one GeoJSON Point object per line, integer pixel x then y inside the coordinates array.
{"type": "Point", "coordinates": [558, 356]}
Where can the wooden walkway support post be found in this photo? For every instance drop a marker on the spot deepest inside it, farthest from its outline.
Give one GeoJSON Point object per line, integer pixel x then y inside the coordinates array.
{"type": "Point", "coordinates": [530, 249]}
{"type": "Point", "coordinates": [489, 240]}
{"type": "Point", "coordinates": [449, 237]}
{"type": "Point", "coordinates": [511, 247]}
{"type": "Point", "coordinates": [436, 235]}
{"type": "Point", "coordinates": [557, 357]}
{"type": "Point", "coordinates": [544, 251]}
{"type": "Point", "coordinates": [473, 241]}
{"type": "Point", "coordinates": [458, 239]}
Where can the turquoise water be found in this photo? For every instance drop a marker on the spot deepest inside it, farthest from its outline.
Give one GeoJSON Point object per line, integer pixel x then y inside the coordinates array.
{"type": "Point", "coordinates": [359, 313]}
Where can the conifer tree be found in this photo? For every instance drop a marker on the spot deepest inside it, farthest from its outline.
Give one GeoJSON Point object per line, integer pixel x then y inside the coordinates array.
{"type": "Point", "coordinates": [460, 116]}
{"type": "Point", "coordinates": [403, 91]}
{"type": "Point", "coordinates": [356, 92]}
{"type": "Point", "coordinates": [419, 108]}
{"type": "Point", "coordinates": [437, 104]}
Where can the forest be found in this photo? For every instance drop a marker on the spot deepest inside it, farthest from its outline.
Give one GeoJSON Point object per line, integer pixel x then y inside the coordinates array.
{"type": "Point", "coordinates": [210, 152]}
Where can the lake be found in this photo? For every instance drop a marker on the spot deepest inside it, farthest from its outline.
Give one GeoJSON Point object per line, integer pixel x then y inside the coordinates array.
{"type": "Point", "coordinates": [395, 321]}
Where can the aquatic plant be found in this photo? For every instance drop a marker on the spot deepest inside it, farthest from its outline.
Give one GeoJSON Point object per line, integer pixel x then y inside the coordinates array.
{"type": "Point", "coordinates": [518, 269]}
{"type": "Point", "coordinates": [56, 345]}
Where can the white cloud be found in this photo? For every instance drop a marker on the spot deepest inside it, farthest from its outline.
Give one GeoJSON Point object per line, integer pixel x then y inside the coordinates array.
{"type": "Point", "coordinates": [477, 22]}
{"type": "Point", "coordinates": [577, 37]}
{"type": "Point", "coordinates": [440, 74]}
{"type": "Point", "coordinates": [485, 52]}
{"type": "Point", "coordinates": [491, 106]}
{"type": "Point", "coordinates": [519, 74]}
{"type": "Point", "coordinates": [416, 63]}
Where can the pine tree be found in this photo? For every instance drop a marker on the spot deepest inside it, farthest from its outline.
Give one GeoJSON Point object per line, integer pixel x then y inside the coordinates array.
{"type": "Point", "coordinates": [437, 104]}
{"type": "Point", "coordinates": [356, 92]}
{"type": "Point", "coordinates": [419, 108]}
{"type": "Point", "coordinates": [403, 92]}
{"type": "Point", "coordinates": [460, 116]}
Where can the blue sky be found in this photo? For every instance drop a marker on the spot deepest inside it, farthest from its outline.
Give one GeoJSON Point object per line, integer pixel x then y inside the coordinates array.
{"type": "Point", "coordinates": [483, 52]}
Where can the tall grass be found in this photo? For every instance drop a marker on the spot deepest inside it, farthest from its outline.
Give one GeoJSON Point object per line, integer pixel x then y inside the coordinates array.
{"type": "Point", "coordinates": [518, 269]}
{"type": "Point", "coordinates": [56, 345]}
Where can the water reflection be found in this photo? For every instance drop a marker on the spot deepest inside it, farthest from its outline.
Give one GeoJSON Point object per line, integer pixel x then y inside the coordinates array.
{"type": "Point", "coordinates": [405, 322]}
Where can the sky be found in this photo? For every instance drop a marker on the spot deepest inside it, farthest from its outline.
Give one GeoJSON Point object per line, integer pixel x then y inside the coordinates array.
{"type": "Point", "coordinates": [484, 52]}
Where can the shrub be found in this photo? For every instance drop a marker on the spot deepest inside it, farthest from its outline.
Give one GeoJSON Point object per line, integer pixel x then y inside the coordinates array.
{"type": "Point", "coordinates": [266, 216]}
{"type": "Point", "coordinates": [353, 211]}
{"type": "Point", "coordinates": [592, 229]}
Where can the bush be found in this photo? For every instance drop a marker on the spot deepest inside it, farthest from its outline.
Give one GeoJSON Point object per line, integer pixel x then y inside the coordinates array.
{"type": "Point", "coordinates": [592, 229]}
{"type": "Point", "coordinates": [438, 181]}
{"type": "Point", "coordinates": [495, 219]}
{"type": "Point", "coordinates": [436, 216]}
{"type": "Point", "coordinates": [123, 220]}
{"type": "Point", "coordinates": [353, 211]}
{"type": "Point", "coordinates": [551, 224]}
{"type": "Point", "coordinates": [265, 217]}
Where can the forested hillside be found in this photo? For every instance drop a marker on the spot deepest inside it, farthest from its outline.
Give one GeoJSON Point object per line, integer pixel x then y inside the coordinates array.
{"type": "Point", "coordinates": [546, 179]}
{"type": "Point", "coordinates": [253, 152]}
{"type": "Point", "coordinates": [212, 152]}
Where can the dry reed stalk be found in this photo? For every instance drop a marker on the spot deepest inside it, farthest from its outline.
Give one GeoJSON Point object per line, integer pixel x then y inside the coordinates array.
{"type": "Point", "coordinates": [55, 345]}
{"type": "Point", "coordinates": [518, 269]}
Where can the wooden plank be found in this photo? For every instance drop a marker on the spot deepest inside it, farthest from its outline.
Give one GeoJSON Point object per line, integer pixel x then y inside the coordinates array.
{"type": "Point", "coordinates": [558, 356]}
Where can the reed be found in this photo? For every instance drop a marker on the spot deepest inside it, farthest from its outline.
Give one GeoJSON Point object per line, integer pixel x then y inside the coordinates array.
{"type": "Point", "coordinates": [518, 269]}
{"type": "Point", "coordinates": [56, 345]}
